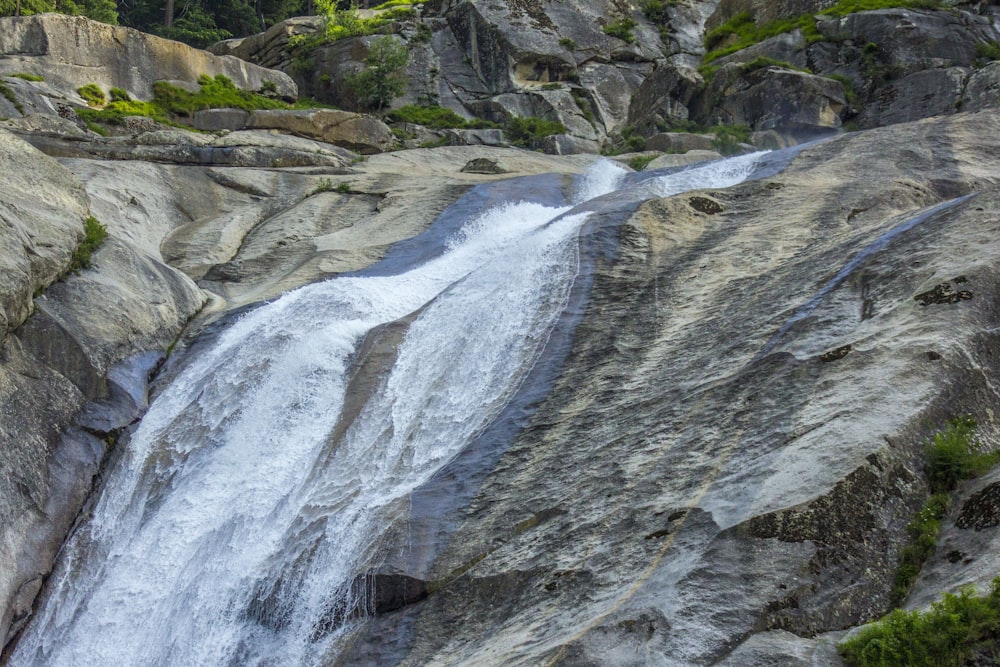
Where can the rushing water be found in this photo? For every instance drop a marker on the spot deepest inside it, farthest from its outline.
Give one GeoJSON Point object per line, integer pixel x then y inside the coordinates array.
{"type": "Point", "coordinates": [233, 528]}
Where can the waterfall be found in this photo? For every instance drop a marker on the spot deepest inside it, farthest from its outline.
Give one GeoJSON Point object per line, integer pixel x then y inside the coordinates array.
{"type": "Point", "coordinates": [234, 526]}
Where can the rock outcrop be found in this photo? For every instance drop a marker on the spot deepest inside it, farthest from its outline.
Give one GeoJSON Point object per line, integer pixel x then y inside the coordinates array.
{"type": "Point", "coordinates": [757, 427]}
{"type": "Point", "coordinates": [72, 51]}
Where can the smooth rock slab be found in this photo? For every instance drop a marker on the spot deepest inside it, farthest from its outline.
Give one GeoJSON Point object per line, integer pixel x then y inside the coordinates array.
{"type": "Point", "coordinates": [356, 132]}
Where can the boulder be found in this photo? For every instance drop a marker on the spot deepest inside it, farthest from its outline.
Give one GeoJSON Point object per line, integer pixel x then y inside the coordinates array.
{"type": "Point", "coordinates": [983, 89]}
{"type": "Point", "coordinates": [72, 51]}
{"type": "Point", "coordinates": [679, 142]}
{"type": "Point", "coordinates": [772, 98]}
{"type": "Point", "coordinates": [357, 132]}
{"type": "Point", "coordinates": [683, 159]}
{"type": "Point", "coordinates": [932, 92]}
{"type": "Point", "coordinates": [213, 120]}
{"type": "Point", "coordinates": [664, 98]}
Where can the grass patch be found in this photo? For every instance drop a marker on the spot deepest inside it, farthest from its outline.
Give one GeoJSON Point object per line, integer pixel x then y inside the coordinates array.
{"type": "Point", "coordinates": [94, 235]}
{"type": "Point", "coordinates": [435, 117]}
{"type": "Point", "coordinates": [639, 162]}
{"type": "Point", "coordinates": [740, 31]}
{"type": "Point", "coordinates": [656, 10]}
{"type": "Point", "coordinates": [11, 97]}
{"type": "Point", "coordinates": [27, 77]}
{"type": "Point", "coordinates": [955, 455]}
{"type": "Point", "coordinates": [92, 94]}
{"type": "Point", "coordinates": [170, 102]}
{"type": "Point", "coordinates": [954, 631]}
{"type": "Point", "coordinates": [761, 62]}
{"type": "Point", "coordinates": [567, 43]}
{"type": "Point", "coordinates": [399, 3]}
{"type": "Point", "coordinates": [528, 132]}
{"type": "Point", "coordinates": [622, 29]}
{"type": "Point", "coordinates": [850, 94]}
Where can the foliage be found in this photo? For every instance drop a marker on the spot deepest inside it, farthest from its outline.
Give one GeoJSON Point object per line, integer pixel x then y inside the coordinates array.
{"type": "Point", "coordinates": [92, 94]}
{"type": "Point", "coordinates": [567, 43]}
{"type": "Point", "coordinates": [622, 29]}
{"type": "Point", "coordinates": [422, 35]}
{"type": "Point", "coordinates": [99, 10]}
{"type": "Point", "coordinates": [343, 188]}
{"type": "Point", "coordinates": [946, 635]}
{"type": "Point", "coordinates": [923, 533]}
{"type": "Point", "coordinates": [399, 3]}
{"type": "Point", "coordinates": [656, 10]}
{"type": "Point", "coordinates": [342, 23]}
{"type": "Point", "coordinates": [380, 81]}
{"type": "Point", "coordinates": [988, 50]}
{"type": "Point", "coordinates": [850, 94]}
{"type": "Point", "coordinates": [94, 235]}
{"type": "Point", "coordinates": [955, 455]}
{"type": "Point", "coordinates": [729, 137]}
{"type": "Point", "coordinates": [639, 162]}
{"type": "Point", "coordinates": [11, 97]}
{"type": "Point", "coordinates": [740, 31]}
{"type": "Point", "coordinates": [434, 117]}
{"type": "Point", "coordinates": [529, 131]}
{"type": "Point", "coordinates": [26, 76]}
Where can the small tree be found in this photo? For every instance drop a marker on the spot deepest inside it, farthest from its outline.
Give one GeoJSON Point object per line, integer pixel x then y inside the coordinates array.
{"type": "Point", "coordinates": [380, 81]}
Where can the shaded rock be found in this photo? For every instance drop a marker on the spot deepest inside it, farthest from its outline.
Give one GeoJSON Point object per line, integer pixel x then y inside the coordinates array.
{"type": "Point", "coordinates": [679, 142]}
{"type": "Point", "coordinates": [565, 144]}
{"type": "Point", "coordinates": [932, 92]}
{"type": "Point", "coordinates": [789, 47]}
{"type": "Point", "coordinates": [48, 125]}
{"type": "Point", "coordinates": [982, 510]}
{"type": "Point", "coordinates": [488, 137]}
{"type": "Point", "coordinates": [213, 120]}
{"type": "Point", "coordinates": [772, 98]}
{"type": "Point", "coordinates": [942, 294]}
{"type": "Point", "coordinates": [764, 11]}
{"type": "Point", "coordinates": [983, 89]}
{"type": "Point", "coordinates": [483, 165]}
{"type": "Point", "coordinates": [72, 51]}
{"type": "Point", "coordinates": [664, 98]}
{"type": "Point", "coordinates": [357, 132]}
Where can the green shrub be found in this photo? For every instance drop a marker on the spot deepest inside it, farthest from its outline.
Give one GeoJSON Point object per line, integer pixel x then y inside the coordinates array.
{"type": "Point", "coordinates": [656, 10]}
{"type": "Point", "coordinates": [94, 235]}
{"type": "Point", "coordinates": [639, 162]}
{"type": "Point", "coordinates": [119, 95]}
{"type": "Point", "coordinates": [923, 533]}
{"type": "Point", "coordinates": [423, 34]}
{"type": "Point", "coordinates": [26, 76]}
{"type": "Point", "coordinates": [741, 31]}
{"type": "Point", "coordinates": [529, 131]}
{"type": "Point", "coordinates": [849, 93]}
{"type": "Point", "coordinates": [381, 80]}
{"type": "Point", "coordinates": [954, 455]}
{"type": "Point", "coordinates": [987, 50]}
{"type": "Point", "coordinates": [343, 188]}
{"type": "Point", "coordinates": [567, 43]}
{"type": "Point", "coordinates": [92, 94]}
{"type": "Point", "coordinates": [946, 635]}
{"type": "Point", "coordinates": [622, 29]}
{"type": "Point", "coordinates": [11, 97]}
{"type": "Point", "coordinates": [729, 137]}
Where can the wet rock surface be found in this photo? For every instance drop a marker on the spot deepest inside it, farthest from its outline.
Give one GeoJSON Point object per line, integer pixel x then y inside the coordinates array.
{"type": "Point", "coordinates": [794, 478]}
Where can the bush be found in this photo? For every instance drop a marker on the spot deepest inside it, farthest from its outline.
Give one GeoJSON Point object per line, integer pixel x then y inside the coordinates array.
{"type": "Point", "coordinates": [92, 94]}
{"type": "Point", "coordinates": [656, 10]}
{"type": "Point", "coordinates": [380, 81]}
{"type": "Point", "coordinates": [567, 43]}
{"type": "Point", "coordinates": [987, 50]}
{"type": "Point", "coordinates": [923, 533]}
{"type": "Point", "coordinates": [945, 635]}
{"type": "Point", "coordinates": [639, 162]}
{"type": "Point", "coordinates": [528, 132]}
{"type": "Point", "coordinates": [94, 235]}
{"type": "Point", "coordinates": [954, 455]}
{"type": "Point", "coordinates": [622, 29]}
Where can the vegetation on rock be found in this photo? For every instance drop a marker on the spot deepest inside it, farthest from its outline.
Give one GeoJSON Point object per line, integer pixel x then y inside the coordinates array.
{"type": "Point", "coordinates": [381, 80]}
{"type": "Point", "coordinates": [528, 132]}
{"type": "Point", "coordinates": [435, 117]}
{"type": "Point", "coordinates": [622, 29]}
{"type": "Point", "coordinates": [11, 97]}
{"type": "Point", "coordinates": [92, 94]}
{"type": "Point", "coordinates": [26, 77]}
{"type": "Point", "coordinates": [94, 235]}
{"type": "Point", "coordinates": [954, 631]}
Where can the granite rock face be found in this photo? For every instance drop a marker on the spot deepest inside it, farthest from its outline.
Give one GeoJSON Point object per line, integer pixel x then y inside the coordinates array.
{"type": "Point", "coordinates": [725, 466]}
{"type": "Point", "coordinates": [72, 51]}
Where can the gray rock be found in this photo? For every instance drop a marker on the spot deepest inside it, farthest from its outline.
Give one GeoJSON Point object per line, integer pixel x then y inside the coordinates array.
{"type": "Point", "coordinates": [565, 144]}
{"type": "Point", "coordinates": [490, 137]}
{"type": "Point", "coordinates": [922, 94]}
{"type": "Point", "coordinates": [772, 98]}
{"type": "Point", "coordinates": [983, 89]}
{"type": "Point", "coordinates": [765, 11]}
{"type": "Point", "coordinates": [679, 142]}
{"type": "Point", "coordinates": [357, 132]}
{"type": "Point", "coordinates": [43, 208]}
{"type": "Point", "coordinates": [213, 120]}
{"type": "Point", "coordinates": [683, 159]}
{"type": "Point", "coordinates": [72, 51]}
{"type": "Point", "coordinates": [483, 165]}
{"type": "Point", "coordinates": [664, 98]}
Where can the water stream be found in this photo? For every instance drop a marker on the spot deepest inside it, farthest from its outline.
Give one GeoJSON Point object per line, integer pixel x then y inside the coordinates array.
{"type": "Point", "coordinates": [233, 528]}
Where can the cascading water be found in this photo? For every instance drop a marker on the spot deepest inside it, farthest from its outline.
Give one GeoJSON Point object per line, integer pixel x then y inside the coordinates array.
{"type": "Point", "coordinates": [234, 527]}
